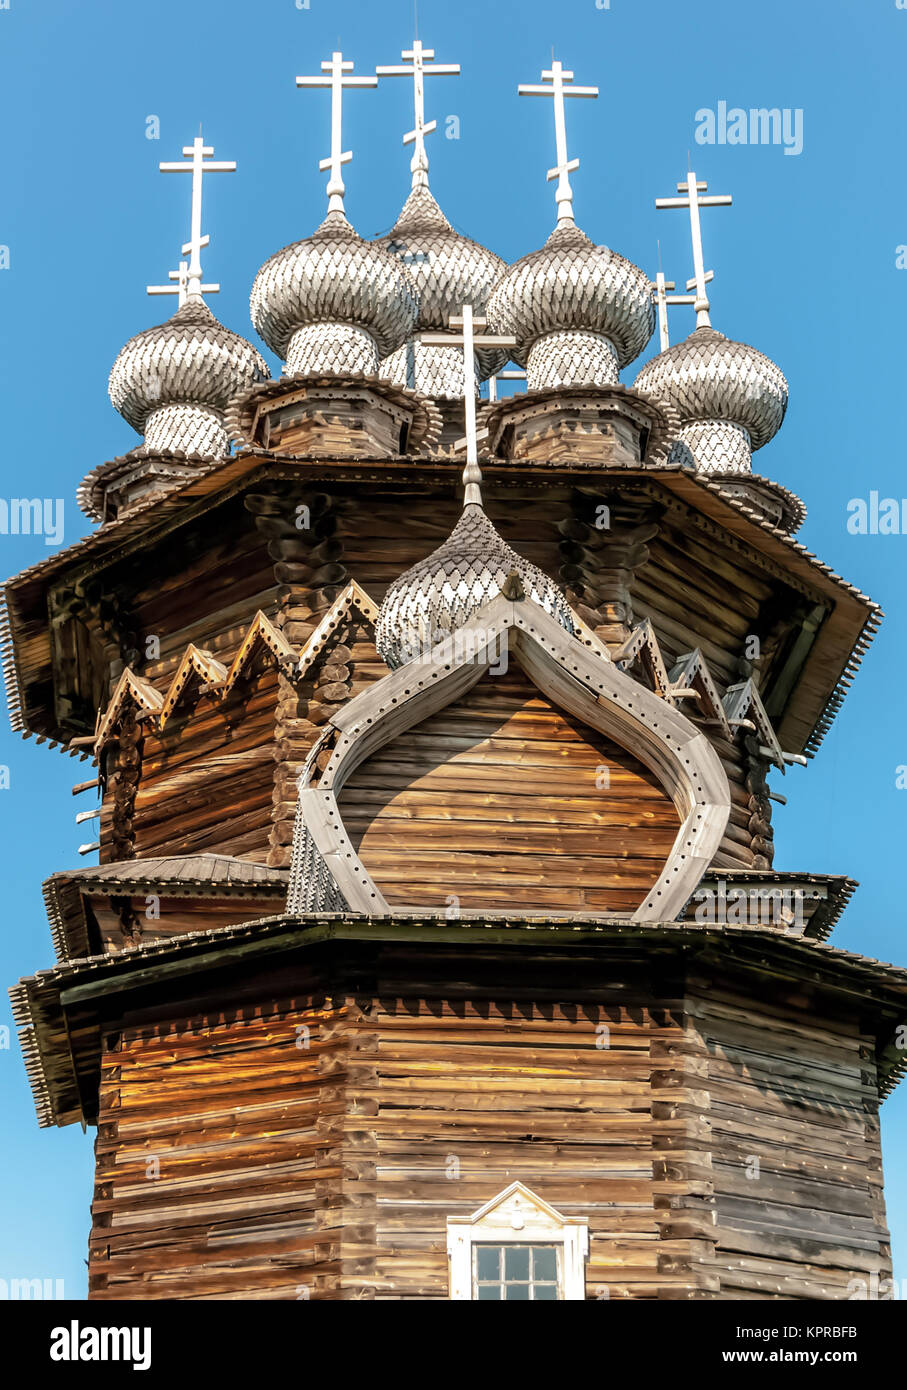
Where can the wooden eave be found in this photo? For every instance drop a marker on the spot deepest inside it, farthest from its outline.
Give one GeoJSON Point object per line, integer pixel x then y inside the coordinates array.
{"type": "Point", "coordinates": [835, 654]}
{"type": "Point", "coordinates": [67, 894]}
{"type": "Point", "coordinates": [61, 1013]}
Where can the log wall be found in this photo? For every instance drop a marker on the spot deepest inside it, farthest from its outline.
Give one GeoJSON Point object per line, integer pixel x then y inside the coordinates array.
{"type": "Point", "coordinates": [313, 1145]}
{"type": "Point", "coordinates": [501, 802]}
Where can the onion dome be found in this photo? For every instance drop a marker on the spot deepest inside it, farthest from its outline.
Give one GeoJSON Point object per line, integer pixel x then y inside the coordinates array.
{"type": "Point", "coordinates": [579, 311]}
{"type": "Point", "coordinates": [333, 304]}
{"type": "Point", "coordinates": [442, 593]}
{"type": "Point", "coordinates": [731, 398]}
{"type": "Point", "coordinates": [449, 271]}
{"type": "Point", "coordinates": [173, 382]}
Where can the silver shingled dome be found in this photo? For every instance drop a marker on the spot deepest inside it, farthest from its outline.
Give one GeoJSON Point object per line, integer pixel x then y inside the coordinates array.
{"type": "Point", "coordinates": [191, 360]}
{"type": "Point", "coordinates": [443, 593]}
{"type": "Point", "coordinates": [334, 277]}
{"type": "Point", "coordinates": [449, 270]}
{"type": "Point", "coordinates": [572, 284]}
{"type": "Point", "coordinates": [710, 377]}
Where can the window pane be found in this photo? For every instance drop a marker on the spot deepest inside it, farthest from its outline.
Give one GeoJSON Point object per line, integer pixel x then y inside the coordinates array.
{"type": "Point", "coordinates": [544, 1263]}
{"type": "Point", "coordinates": [488, 1291]}
{"type": "Point", "coordinates": [519, 1291]}
{"type": "Point", "coordinates": [488, 1262]}
{"type": "Point", "coordinates": [546, 1292]}
{"type": "Point", "coordinates": [516, 1262]}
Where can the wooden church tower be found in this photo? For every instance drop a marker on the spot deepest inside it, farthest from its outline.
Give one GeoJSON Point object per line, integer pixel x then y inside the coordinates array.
{"type": "Point", "coordinates": [434, 950]}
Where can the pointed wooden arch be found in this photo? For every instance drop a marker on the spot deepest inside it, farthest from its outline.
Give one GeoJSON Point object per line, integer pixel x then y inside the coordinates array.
{"type": "Point", "coordinates": [578, 681]}
{"type": "Point", "coordinates": [197, 666]}
{"type": "Point", "coordinates": [130, 689]}
{"type": "Point", "coordinates": [261, 633]}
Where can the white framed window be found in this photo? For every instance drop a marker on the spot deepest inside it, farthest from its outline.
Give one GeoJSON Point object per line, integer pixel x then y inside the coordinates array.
{"type": "Point", "coordinates": [517, 1248]}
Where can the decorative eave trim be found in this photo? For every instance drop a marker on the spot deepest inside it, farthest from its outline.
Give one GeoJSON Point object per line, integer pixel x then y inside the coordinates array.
{"type": "Point", "coordinates": [262, 632]}
{"type": "Point", "coordinates": [10, 674]}
{"type": "Point", "coordinates": [130, 689]}
{"type": "Point", "coordinates": [691, 673]}
{"type": "Point", "coordinates": [353, 596]}
{"type": "Point", "coordinates": [196, 662]}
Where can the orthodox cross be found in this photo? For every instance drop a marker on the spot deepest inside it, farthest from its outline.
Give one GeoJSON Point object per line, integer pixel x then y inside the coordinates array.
{"type": "Point", "coordinates": [337, 80]}
{"type": "Point", "coordinates": [660, 288]}
{"type": "Point", "coordinates": [694, 202]}
{"type": "Point", "coordinates": [469, 339]}
{"type": "Point", "coordinates": [558, 78]}
{"type": "Point", "coordinates": [200, 163]}
{"type": "Point", "coordinates": [181, 288]}
{"type": "Point", "coordinates": [417, 70]}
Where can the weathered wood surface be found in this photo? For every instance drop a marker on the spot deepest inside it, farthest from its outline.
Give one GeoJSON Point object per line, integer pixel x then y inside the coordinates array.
{"type": "Point", "coordinates": [240, 1156]}
{"type": "Point", "coordinates": [470, 804]}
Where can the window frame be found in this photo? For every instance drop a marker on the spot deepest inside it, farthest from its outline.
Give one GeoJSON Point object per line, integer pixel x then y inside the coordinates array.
{"type": "Point", "coordinates": [517, 1216]}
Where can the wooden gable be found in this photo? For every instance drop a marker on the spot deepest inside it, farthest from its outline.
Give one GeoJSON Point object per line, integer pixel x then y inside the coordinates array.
{"type": "Point", "coordinates": [501, 801]}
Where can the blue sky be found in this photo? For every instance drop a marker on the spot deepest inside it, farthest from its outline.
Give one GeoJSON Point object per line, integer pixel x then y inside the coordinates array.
{"type": "Point", "coordinates": [805, 267]}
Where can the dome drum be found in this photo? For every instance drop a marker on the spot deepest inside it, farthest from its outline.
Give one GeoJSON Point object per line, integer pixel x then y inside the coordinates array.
{"type": "Point", "coordinates": [187, 429]}
{"type": "Point", "coordinates": [435, 371]}
{"type": "Point", "coordinates": [714, 446]}
{"type": "Point", "coordinates": [331, 349]}
{"type": "Point", "coordinates": [602, 426]}
{"type": "Point", "coordinates": [570, 357]}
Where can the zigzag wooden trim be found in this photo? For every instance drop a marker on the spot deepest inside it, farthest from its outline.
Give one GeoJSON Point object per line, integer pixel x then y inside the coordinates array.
{"type": "Point", "coordinates": [642, 644]}
{"type": "Point", "coordinates": [130, 689]}
{"type": "Point", "coordinates": [198, 662]}
{"type": "Point", "coordinates": [692, 673]}
{"type": "Point", "coordinates": [743, 701]}
{"type": "Point", "coordinates": [261, 630]}
{"type": "Point", "coordinates": [353, 596]}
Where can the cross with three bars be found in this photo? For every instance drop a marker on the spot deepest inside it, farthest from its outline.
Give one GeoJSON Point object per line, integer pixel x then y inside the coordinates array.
{"type": "Point", "coordinates": [558, 78]}
{"type": "Point", "coordinates": [469, 339]}
{"type": "Point", "coordinates": [694, 202]}
{"type": "Point", "coordinates": [417, 70]}
{"type": "Point", "coordinates": [200, 162]}
{"type": "Point", "coordinates": [337, 80]}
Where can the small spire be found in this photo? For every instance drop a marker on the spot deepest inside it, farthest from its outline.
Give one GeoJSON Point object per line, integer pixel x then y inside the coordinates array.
{"type": "Point", "coordinates": [200, 163]}
{"type": "Point", "coordinates": [694, 202]}
{"type": "Point", "coordinates": [336, 80]}
{"type": "Point", "coordinates": [554, 80]}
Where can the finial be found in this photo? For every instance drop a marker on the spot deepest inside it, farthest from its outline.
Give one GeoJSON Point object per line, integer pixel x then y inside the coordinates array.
{"type": "Point", "coordinates": [558, 76]}
{"type": "Point", "coordinates": [181, 287]}
{"type": "Point", "coordinates": [337, 80]}
{"type": "Point", "coordinates": [200, 163]}
{"type": "Point", "coordinates": [417, 70]}
{"type": "Point", "coordinates": [694, 202]}
{"type": "Point", "coordinates": [660, 287]}
{"type": "Point", "coordinates": [469, 340]}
